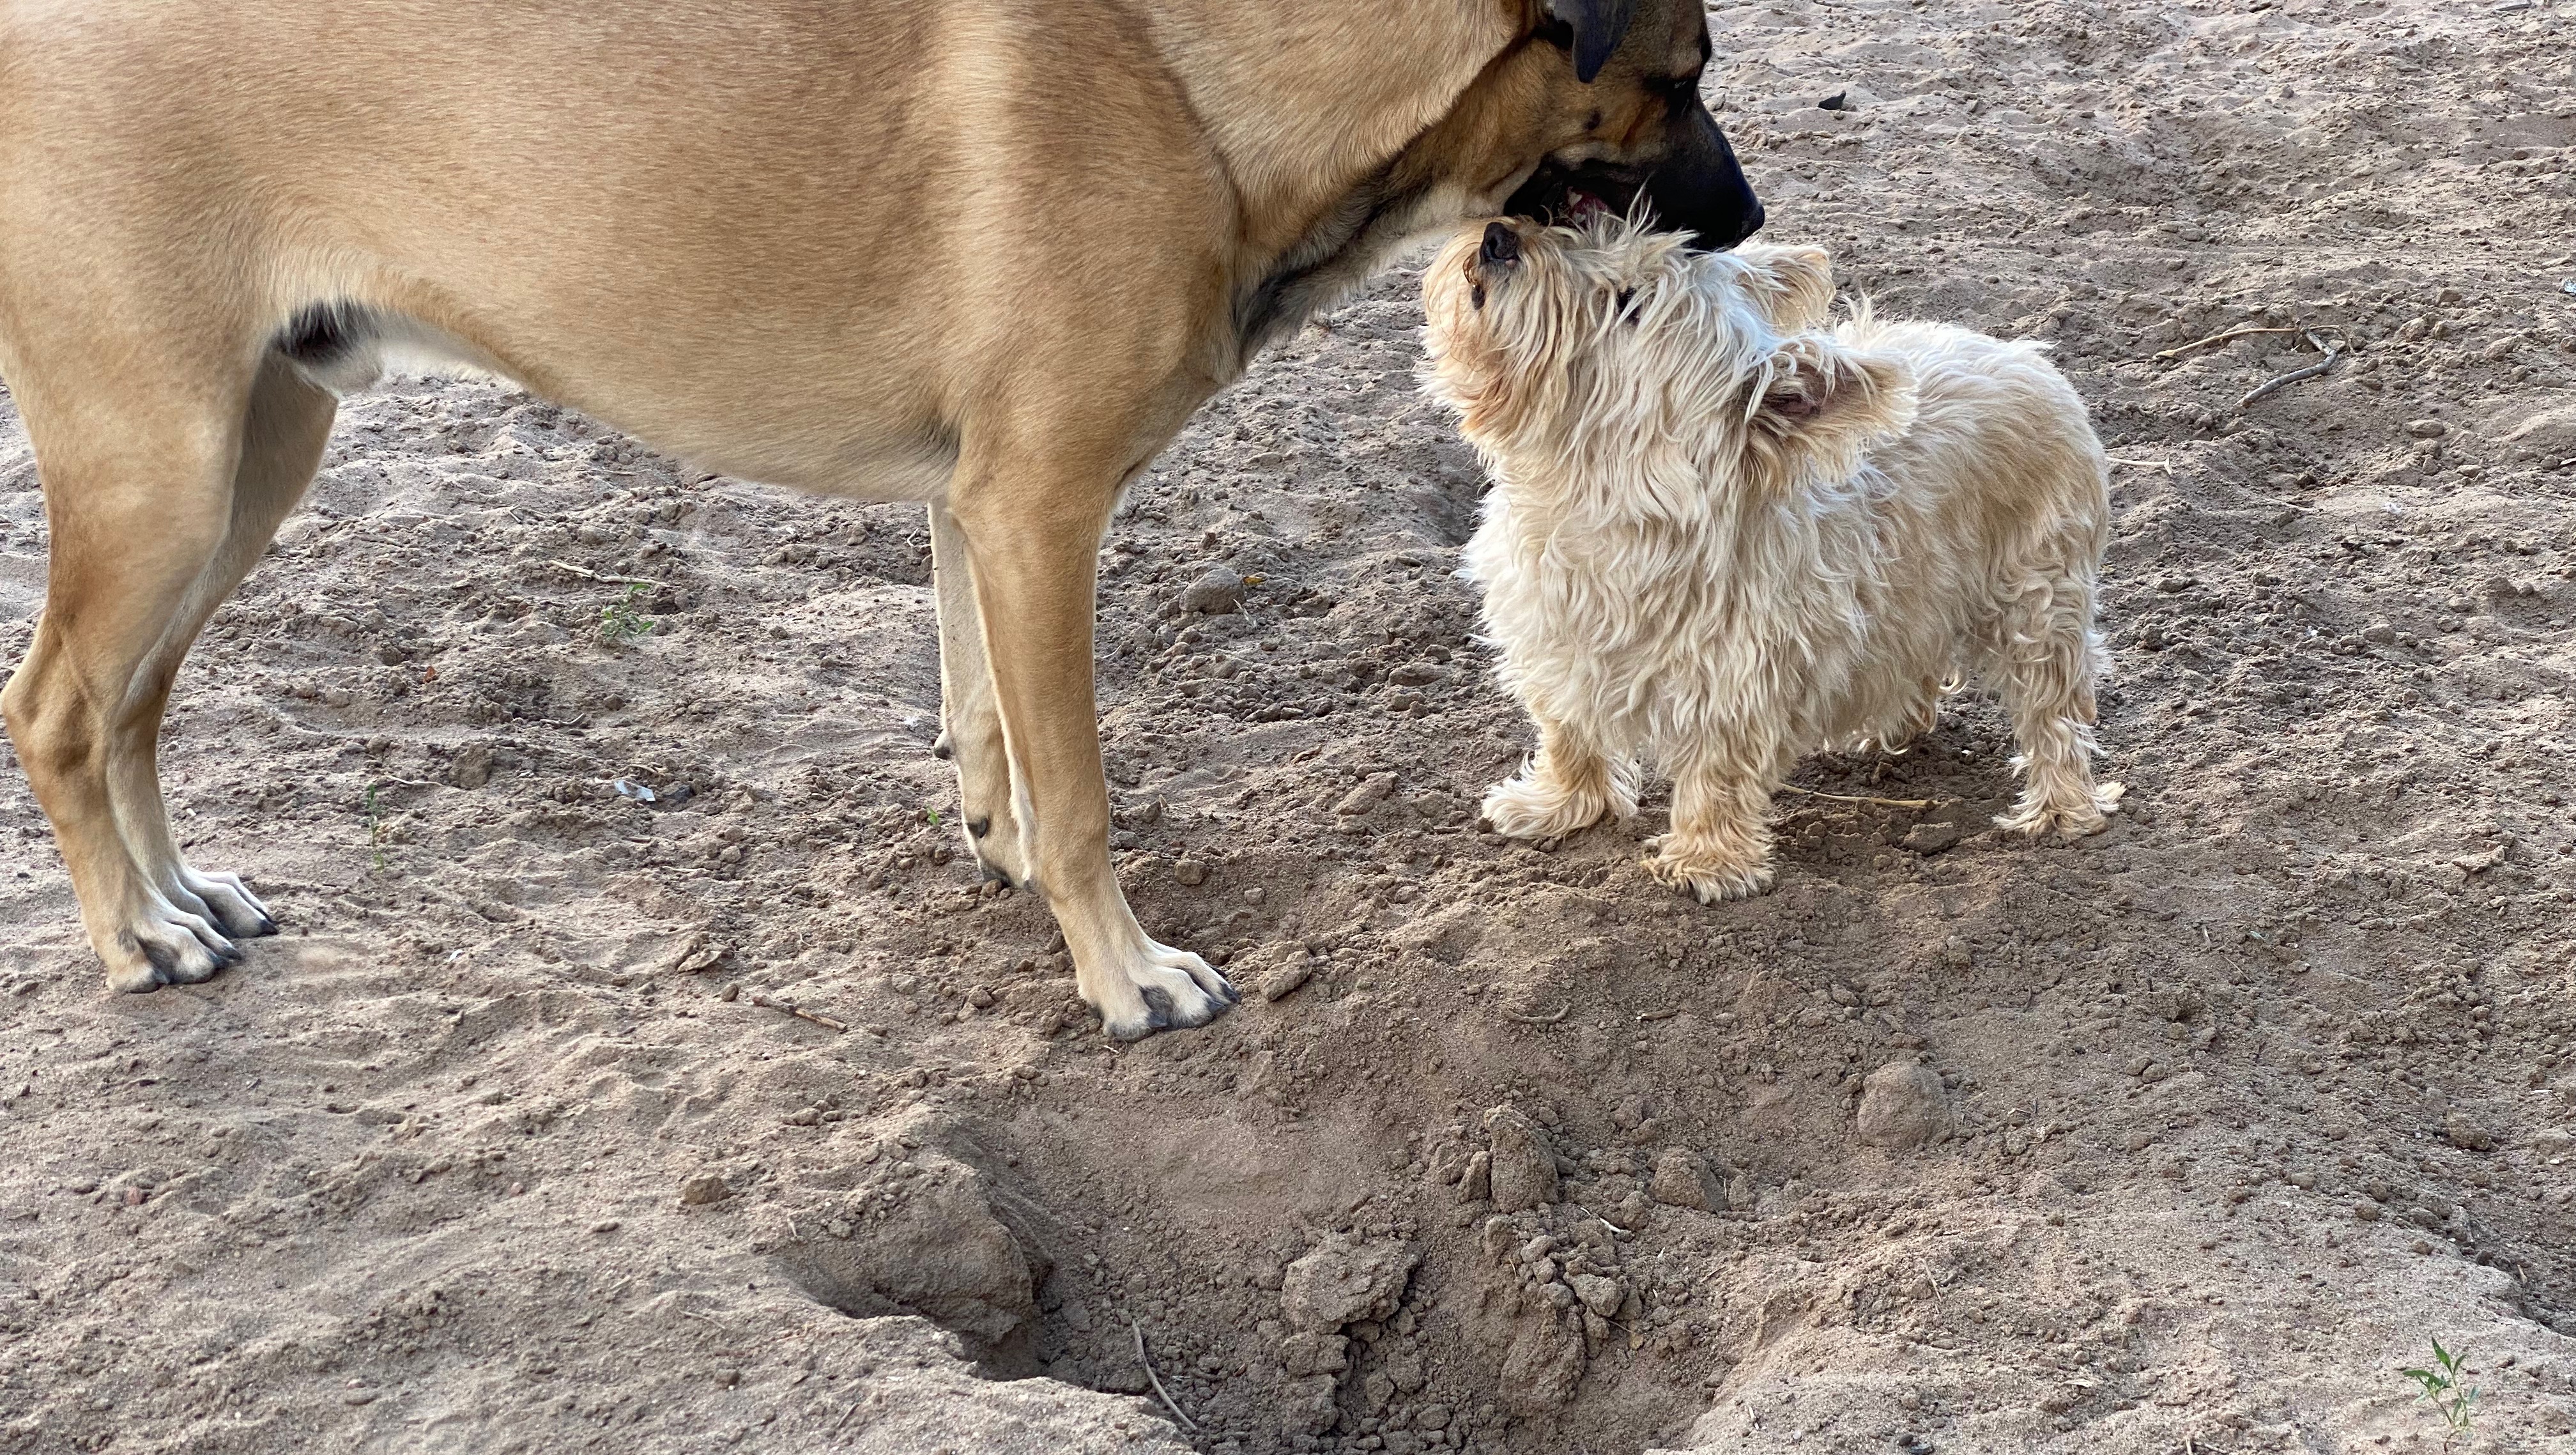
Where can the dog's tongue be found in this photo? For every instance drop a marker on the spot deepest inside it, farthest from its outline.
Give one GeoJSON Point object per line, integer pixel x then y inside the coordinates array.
{"type": "Point", "coordinates": [1586, 207]}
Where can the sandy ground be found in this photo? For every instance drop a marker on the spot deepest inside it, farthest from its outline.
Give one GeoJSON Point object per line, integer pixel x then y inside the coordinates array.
{"type": "Point", "coordinates": [2185, 1138]}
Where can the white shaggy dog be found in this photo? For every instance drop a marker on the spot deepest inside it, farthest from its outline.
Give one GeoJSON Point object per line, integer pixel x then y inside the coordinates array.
{"type": "Point", "coordinates": [1723, 534]}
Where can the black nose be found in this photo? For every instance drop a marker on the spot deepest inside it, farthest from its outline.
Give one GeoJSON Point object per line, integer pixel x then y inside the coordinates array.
{"type": "Point", "coordinates": [1502, 246]}
{"type": "Point", "coordinates": [1701, 188]}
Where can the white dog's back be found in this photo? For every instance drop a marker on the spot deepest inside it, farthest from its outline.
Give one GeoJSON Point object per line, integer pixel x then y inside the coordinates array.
{"type": "Point", "coordinates": [1847, 600]}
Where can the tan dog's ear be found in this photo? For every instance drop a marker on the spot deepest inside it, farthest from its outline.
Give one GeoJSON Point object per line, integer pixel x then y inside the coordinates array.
{"type": "Point", "coordinates": [1821, 403]}
{"type": "Point", "coordinates": [1594, 29]}
{"type": "Point", "coordinates": [1795, 286]}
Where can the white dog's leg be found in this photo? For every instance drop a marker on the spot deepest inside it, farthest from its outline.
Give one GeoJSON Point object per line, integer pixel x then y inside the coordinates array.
{"type": "Point", "coordinates": [1573, 783]}
{"type": "Point", "coordinates": [2047, 687]}
{"type": "Point", "coordinates": [1720, 846]}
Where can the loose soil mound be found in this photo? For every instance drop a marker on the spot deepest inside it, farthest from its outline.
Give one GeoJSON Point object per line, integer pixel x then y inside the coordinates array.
{"type": "Point", "coordinates": [2185, 1137]}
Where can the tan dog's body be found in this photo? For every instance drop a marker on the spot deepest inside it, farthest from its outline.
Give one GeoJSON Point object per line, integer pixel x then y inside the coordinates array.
{"type": "Point", "coordinates": [983, 255]}
{"type": "Point", "coordinates": [1722, 536]}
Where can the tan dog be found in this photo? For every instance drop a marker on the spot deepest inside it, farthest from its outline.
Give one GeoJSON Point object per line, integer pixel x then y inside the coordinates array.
{"type": "Point", "coordinates": [980, 254]}
{"type": "Point", "coordinates": [1723, 535]}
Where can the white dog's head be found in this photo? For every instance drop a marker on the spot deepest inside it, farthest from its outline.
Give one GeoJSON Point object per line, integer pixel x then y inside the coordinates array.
{"type": "Point", "coordinates": [1611, 358]}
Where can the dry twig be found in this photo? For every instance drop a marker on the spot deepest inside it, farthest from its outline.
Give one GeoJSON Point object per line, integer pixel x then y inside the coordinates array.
{"type": "Point", "coordinates": [590, 575]}
{"type": "Point", "coordinates": [798, 1011]}
{"type": "Point", "coordinates": [1605, 1222]}
{"type": "Point", "coordinates": [2313, 370]}
{"type": "Point", "coordinates": [2233, 334]}
{"type": "Point", "coordinates": [1849, 798]}
{"type": "Point", "coordinates": [1542, 1020]}
{"type": "Point", "coordinates": [1143, 1358]}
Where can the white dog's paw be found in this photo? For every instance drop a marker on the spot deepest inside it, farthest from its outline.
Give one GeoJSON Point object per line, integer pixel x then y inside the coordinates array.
{"type": "Point", "coordinates": [1518, 808]}
{"type": "Point", "coordinates": [1158, 988]}
{"type": "Point", "coordinates": [1707, 876]}
{"type": "Point", "coordinates": [2072, 818]}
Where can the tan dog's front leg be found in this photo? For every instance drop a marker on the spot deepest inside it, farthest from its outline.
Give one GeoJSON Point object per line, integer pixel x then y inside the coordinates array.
{"type": "Point", "coordinates": [970, 721]}
{"type": "Point", "coordinates": [1035, 554]}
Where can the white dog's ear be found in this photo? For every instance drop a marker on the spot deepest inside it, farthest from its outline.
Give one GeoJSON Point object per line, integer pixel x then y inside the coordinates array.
{"type": "Point", "coordinates": [1822, 402]}
{"type": "Point", "coordinates": [1795, 286]}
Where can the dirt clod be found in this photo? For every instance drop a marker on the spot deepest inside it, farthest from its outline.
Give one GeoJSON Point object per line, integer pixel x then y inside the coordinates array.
{"type": "Point", "coordinates": [1522, 1171]}
{"type": "Point", "coordinates": [1287, 977]}
{"type": "Point", "coordinates": [1902, 1107]}
{"type": "Point", "coordinates": [938, 1252]}
{"type": "Point", "coordinates": [1218, 592]}
{"type": "Point", "coordinates": [1372, 791]}
{"type": "Point", "coordinates": [1683, 1179]}
{"type": "Point", "coordinates": [1339, 1284]}
{"type": "Point", "coordinates": [1601, 1295]}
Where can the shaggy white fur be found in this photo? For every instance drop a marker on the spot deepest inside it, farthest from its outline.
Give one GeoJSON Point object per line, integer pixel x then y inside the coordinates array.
{"type": "Point", "coordinates": [1723, 534]}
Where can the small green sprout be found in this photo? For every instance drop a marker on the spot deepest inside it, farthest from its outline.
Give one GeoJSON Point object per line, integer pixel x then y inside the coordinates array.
{"type": "Point", "coordinates": [375, 829]}
{"type": "Point", "coordinates": [2447, 1390]}
{"type": "Point", "coordinates": [620, 622]}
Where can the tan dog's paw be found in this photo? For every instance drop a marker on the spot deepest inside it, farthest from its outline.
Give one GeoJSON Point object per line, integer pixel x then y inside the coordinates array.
{"type": "Point", "coordinates": [164, 945]}
{"type": "Point", "coordinates": [2078, 819]}
{"type": "Point", "coordinates": [1157, 988]}
{"type": "Point", "coordinates": [1710, 878]}
{"type": "Point", "coordinates": [227, 902]}
{"type": "Point", "coordinates": [994, 840]}
{"type": "Point", "coordinates": [1519, 808]}
{"type": "Point", "coordinates": [985, 810]}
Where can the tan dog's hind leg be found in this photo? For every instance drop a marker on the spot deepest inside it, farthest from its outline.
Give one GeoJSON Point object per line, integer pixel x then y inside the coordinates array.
{"type": "Point", "coordinates": [160, 495]}
{"type": "Point", "coordinates": [1035, 544]}
{"type": "Point", "coordinates": [970, 721]}
{"type": "Point", "coordinates": [1720, 846]}
{"type": "Point", "coordinates": [1572, 784]}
